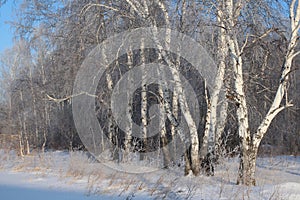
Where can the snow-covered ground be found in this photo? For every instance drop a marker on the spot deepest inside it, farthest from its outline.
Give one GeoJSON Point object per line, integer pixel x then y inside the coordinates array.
{"type": "Point", "coordinates": [63, 175]}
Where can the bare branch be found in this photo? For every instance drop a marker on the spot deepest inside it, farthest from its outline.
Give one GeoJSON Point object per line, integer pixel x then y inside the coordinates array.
{"type": "Point", "coordinates": [136, 8]}
{"type": "Point", "coordinates": [69, 97]}
{"type": "Point", "coordinates": [90, 5]}
{"type": "Point", "coordinates": [295, 54]}
{"type": "Point", "coordinates": [256, 39]}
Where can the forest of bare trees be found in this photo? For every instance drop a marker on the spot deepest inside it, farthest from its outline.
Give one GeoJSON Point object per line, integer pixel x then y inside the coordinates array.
{"type": "Point", "coordinates": [251, 109]}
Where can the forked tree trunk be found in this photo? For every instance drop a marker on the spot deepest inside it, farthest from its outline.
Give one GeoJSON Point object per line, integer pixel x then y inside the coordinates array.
{"type": "Point", "coordinates": [214, 124]}
{"type": "Point", "coordinates": [249, 145]}
{"type": "Point", "coordinates": [249, 158]}
{"type": "Point", "coordinates": [247, 173]}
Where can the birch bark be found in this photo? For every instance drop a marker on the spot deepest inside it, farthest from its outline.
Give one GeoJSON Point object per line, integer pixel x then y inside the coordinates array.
{"type": "Point", "coordinates": [250, 143]}
{"type": "Point", "coordinates": [163, 49]}
{"type": "Point", "coordinates": [194, 149]}
{"type": "Point", "coordinates": [144, 101]}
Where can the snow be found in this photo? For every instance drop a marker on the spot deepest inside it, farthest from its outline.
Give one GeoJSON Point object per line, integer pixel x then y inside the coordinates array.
{"type": "Point", "coordinates": [64, 175]}
{"type": "Point", "coordinates": [23, 185]}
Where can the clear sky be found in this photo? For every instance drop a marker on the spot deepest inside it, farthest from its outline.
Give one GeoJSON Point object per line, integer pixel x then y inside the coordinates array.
{"type": "Point", "coordinates": [6, 32]}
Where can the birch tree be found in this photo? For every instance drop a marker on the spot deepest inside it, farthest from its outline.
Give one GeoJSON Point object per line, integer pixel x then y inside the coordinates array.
{"type": "Point", "coordinates": [9, 65]}
{"type": "Point", "coordinates": [17, 63]}
{"type": "Point", "coordinates": [215, 123]}
{"type": "Point", "coordinates": [250, 142]}
{"type": "Point", "coordinates": [142, 9]}
{"type": "Point", "coordinates": [75, 27]}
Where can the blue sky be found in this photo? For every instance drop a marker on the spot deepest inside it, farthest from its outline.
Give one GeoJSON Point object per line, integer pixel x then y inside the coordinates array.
{"type": "Point", "coordinates": [6, 33]}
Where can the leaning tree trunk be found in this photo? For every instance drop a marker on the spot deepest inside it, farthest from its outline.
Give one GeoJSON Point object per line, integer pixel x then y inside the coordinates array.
{"type": "Point", "coordinates": [194, 149]}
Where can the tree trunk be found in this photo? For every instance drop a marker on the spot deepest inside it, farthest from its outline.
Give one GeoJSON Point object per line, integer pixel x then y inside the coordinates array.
{"type": "Point", "coordinates": [232, 13]}
{"type": "Point", "coordinates": [21, 141]}
{"type": "Point", "coordinates": [194, 149]}
{"type": "Point", "coordinates": [173, 128]}
{"type": "Point", "coordinates": [163, 133]}
{"type": "Point", "coordinates": [218, 124]}
{"type": "Point", "coordinates": [128, 132]}
{"type": "Point", "coordinates": [144, 102]}
{"type": "Point", "coordinates": [249, 145]}
{"type": "Point", "coordinates": [24, 128]}
{"type": "Point", "coordinates": [247, 166]}
{"type": "Point", "coordinates": [34, 104]}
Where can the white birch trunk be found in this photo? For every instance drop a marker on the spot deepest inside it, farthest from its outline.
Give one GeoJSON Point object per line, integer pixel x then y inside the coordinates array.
{"type": "Point", "coordinates": [109, 83]}
{"type": "Point", "coordinates": [144, 100]}
{"type": "Point", "coordinates": [166, 101]}
{"type": "Point", "coordinates": [248, 176]}
{"type": "Point", "coordinates": [110, 123]}
{"type": "Point", "coordinates": [218, 121]}
{"type": "Point", "coordinates": [128, 132]}
{"type": "Point", "coordinates": [204, 147]}
{"type": "Point", "coordinates": [222, 117]}
{"type": "Point", "coordinates": [163, 133]}
{"type": "Point", "coordinates": [213, 126]}
{"type": "Point", "coordinates": [173, 128]}
{"type": "Point", "coordinates": [194, 154]}
{"type": "Point", "coordinates": [212, 118]}
{"type": "Point", "coordinates": [20, 131]}
{"type": "Point", "coordinates": [21, 141]}
{"type": "Point", "coordinates": [143, 12]}
{"type": "Point", "coordinates": [249, 145]}
{"type": "Point", "coordinates": [175, 109]}
{"type": "Point", "coordinates": [282, 88]}
{"type": "Point", "coordinates": [46, 114]}
{"type": "Point", "coordinates": [45, 128]}
{"type": "Point", "coordinates": [23, 127]}
{"type": "Point", "coordinates": [34, 107]}
{"type": "Point", "coordinates": [26, 135]}
{"type": "Point", "coordinates": [246, 163]}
